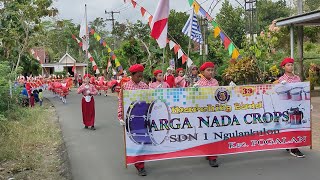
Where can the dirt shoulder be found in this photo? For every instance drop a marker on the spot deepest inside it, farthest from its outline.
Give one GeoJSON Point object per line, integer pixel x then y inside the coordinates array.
{"type": "Point", "coordinates": [33, 148]}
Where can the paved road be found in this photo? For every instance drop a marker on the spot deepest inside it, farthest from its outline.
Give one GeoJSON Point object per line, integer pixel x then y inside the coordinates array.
{"type": "Point", "coordinates": [98, 155]}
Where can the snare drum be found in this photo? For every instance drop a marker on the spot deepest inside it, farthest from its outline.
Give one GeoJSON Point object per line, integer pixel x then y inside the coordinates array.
{"type": "Point", "coordinates": [139, 117]}
{"type": "Point", "coordinates": [306, 91]}
{"type": "Point", "coordinates": [283, 92]}
{"type": "Point", "coordinates": [296, 94]}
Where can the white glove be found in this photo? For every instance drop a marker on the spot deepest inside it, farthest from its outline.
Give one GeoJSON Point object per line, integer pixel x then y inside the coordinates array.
{"type": "Point", "coordinates": [232, 84]}
{"type": "Point", "coordinates": [311, 107]}
{"type": "Point", "coordinates": [122, 123]}
{"type": "Point", "coordinates": [195, 85]}
{"type": "Point", "coordinates": [283, 82]}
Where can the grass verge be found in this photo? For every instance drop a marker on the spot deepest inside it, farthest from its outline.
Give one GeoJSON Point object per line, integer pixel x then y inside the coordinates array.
{"type": "Point", "coordinates": [31, 145]}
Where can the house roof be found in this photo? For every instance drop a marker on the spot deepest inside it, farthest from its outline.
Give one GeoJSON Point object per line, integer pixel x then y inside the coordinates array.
{"type": "Point", "coordinates": [39, 54]}
{"type": "Point", "coordinates": [310, 18]}
{"type": "Point", "coordinates": [65, 56]}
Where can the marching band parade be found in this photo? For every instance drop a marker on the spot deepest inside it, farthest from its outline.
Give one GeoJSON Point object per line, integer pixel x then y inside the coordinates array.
{"type": "Point", "coordinates": [90, 86]}
{"type": "Point", "coordinates": [169, 106]}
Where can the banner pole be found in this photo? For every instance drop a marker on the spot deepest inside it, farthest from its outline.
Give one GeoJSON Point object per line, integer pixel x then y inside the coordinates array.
{"type": "Point", "coordinates": [124, 130]}
{"type": "Point", "coordinates": [310, 119]}
{"type": "Point", "coordinates": [163, 61]}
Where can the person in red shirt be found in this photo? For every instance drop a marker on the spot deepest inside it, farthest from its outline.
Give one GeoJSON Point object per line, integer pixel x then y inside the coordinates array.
{"type": "Point", "coordinates": [134, 83]}
{"type": "Point", "coordinates": [207, 70]}
{"type": "Point", "coordinates": [169, 78]}
{"type": "Point", "coordinates": [290, 77]}
{"type": "Point", "coordinates": [31, 100]}
{"type": "Point", "coordinates": [88, 110]}
{"type": "Point", "coordinates": [159, 81]}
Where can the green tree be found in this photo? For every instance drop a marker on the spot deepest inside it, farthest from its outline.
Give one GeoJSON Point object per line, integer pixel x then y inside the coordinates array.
{"type": "Point", "coordinates": [19, 21]}
{"type": "Point", "coordinates": [176, 22]}
{"type": "Point", "coordinates": [232, 22]}
{"type": "Point", "coordinates": [269, 10]}
{"type": "Point", "coordinates": [311, 5]}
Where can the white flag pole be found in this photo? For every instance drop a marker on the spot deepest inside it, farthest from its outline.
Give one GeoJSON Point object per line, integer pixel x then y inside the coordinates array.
{"type": "Point", "coordinates": [190, 30]}
{"type": "Point", "coordinates": [189, 45]}
{"type": "Point", "coordinates": [87, 38]}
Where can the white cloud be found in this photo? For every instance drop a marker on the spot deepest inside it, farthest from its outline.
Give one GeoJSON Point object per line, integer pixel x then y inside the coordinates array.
{"type": "Point", "coordinates": [74, 9]}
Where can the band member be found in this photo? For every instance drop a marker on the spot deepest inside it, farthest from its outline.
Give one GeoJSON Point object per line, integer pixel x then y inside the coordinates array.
{"type": "Point", "coordinates": [180, 79]}
{"type": "Point", "coordinates": [134, 83]}
{"type": "Point", "coordinates": [88, 111]}
{"type": "Point", "coordinates": [102, 85]}
{"type": "Point", "coordinates": [290, 77]}
{"type": "Point", "coordinates": [159, 83]}
{"type": "Point", "coordinates": [193, 77]}
{"type": "Point", "coordinates": [169, 78]}
{"type": "Point", "coordinates": [207, 70]}
{"type": "Point", "coordinates": [80, 80]}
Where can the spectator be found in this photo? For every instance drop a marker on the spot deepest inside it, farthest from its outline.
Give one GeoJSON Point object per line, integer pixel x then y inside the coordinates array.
{"type": "Point", "coordinates": [40, 97]}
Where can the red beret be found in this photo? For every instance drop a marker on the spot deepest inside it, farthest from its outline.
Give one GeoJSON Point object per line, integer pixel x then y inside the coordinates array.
{"type": "Point", "coordinates": [156, 72]}
{"type": "Point", "coordinates": [136, 68]}
{"type": "Point", "coordinates": [206, 65]}
{"type": "Point", "coordinates": [86, 76]}
{"type": "Point", "coordinates": [286, 61]}
{"type": "Point", "coordinates": [179, 69]}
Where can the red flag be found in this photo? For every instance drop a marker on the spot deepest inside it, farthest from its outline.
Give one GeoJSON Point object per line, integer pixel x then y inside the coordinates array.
{"type": "Point", "coordinates": [176, 48]}
{"type": "Point", "coordinates": [150, 20]}
{"type": "Point", "coordinates": [95, 67]}
{"type": "Point", "coordinates": [134, 3]}
{"type": "Point", "coordinates": [113, 57]}
{"type": "Point", "coordinates": [143, 11]}
{"type": "Point", "coordinates": [184, 58]}
{"type": "Point", "coordinates": [159, 24]}
{"type": "Point", "coordinates": [226, 42]}
{"type": "Point", "coordinates": [92, 31]}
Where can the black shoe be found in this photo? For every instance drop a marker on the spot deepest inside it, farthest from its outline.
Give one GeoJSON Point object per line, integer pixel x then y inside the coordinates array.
{"type": "Point", "coordinates": [296, 153]}
{"type": "Point", "coordinates": [86, 127]}
{"type": "Point", "coordinates": [213, 163]}
{"type": "Point", "coordinates": [142, 172]}
{"type": "Point", "coordinates": [287, 150]}
{"type": "Point", "coordinates": [93, 128]}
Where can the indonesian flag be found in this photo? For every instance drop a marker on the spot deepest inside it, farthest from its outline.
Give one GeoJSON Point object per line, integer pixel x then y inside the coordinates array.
{"type": "Point", "coordinates": [159, 23]}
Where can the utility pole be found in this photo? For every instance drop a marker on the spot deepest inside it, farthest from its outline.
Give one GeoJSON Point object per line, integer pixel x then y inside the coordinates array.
{"type": "Point", "coordinates": [300, 41]}
{"type": "Point", "coordinates": [112, 19]}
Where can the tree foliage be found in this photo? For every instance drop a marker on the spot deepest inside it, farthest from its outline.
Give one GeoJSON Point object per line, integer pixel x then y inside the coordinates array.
{"type": "Point", "coordinates": [232, 22]}
{"type": "Point", "coordinates": [269, 10]}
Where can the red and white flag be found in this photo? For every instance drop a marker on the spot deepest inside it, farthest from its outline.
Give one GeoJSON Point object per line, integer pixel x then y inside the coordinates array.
{"type": "Point", "coordinates": [159, 24]}
{"type": "Point", "coordinates": [84, 33]}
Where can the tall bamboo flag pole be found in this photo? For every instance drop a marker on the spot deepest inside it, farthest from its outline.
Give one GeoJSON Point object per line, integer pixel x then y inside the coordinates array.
{"type": "Point", "coordinates": [189, 45]}
{"type": "Point", "coordinates": [87, 38]}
